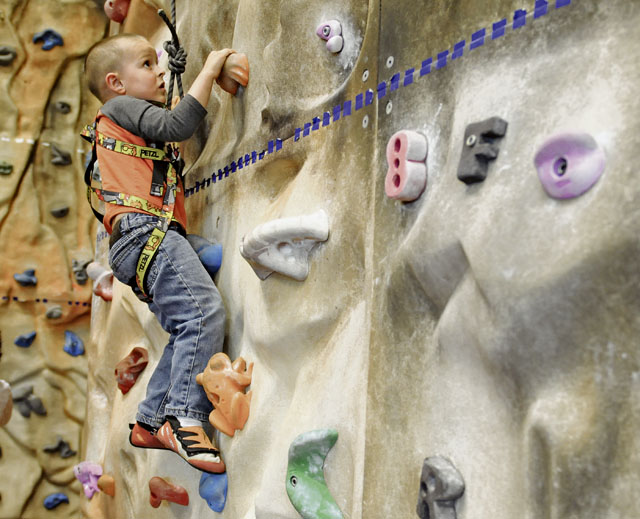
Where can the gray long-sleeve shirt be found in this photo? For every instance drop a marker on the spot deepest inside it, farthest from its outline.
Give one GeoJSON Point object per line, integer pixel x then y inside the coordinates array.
{"type": "Point", "coordinates": [152, 123]}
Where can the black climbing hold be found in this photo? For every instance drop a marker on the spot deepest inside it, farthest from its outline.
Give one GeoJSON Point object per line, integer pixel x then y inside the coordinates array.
{"type": "Point", "coordinates": [479, 147]}
{"type": "Point", "coordinates": [440, 486]}
{"type": "Point", "coordinates": [60, 157]}
{"type": "Point", "coordinates": [5, 168]}
{"type": "Point", "coordinates": [79, 269]}
{"type": "Point", "coordinates": [62, 107]}
{"type": "Point", "coordinates": [55, 312]}
{"type": "Point", "coordinates": [61, 447]}
{"type": "Point", "coordinates": [60, 212]}
{"type": "Point", "coordinates": [7, 55]}
{"type": "Point", "coordinates": [25, 401]}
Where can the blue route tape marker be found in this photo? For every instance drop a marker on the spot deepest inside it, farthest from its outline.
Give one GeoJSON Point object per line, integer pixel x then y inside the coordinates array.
{"type": "Point", "coordinates": [270, 147]}
{"type": "Point", "coordinates": [458, 49]}
{"type": "Point", "coordinates": [519, 18]}
{"type": "Point", "coordinates": [346, 108]}
{"type": "Point", "coordinates": [278, 144]}
{"type": "Point", "coordinates": [477, 39]}
{"type": "Point", "coordinates": [316, 123]}
{"type": "Point", "coordinates": [395, 82]}
{"type": "Point", "coordinates": [307, 129]}
{"type": "Point", "coordinates": [562, 3]}
{"type": "Point", "coordinates": [499, 29]}
{"type": "Point", "coordinates": [336, 113]}
{"type": "Point", "coordinates": [426, 67]}
{"type": "Point", "coordinates": [368, 97]}
{"type": "Point", "coordinates": [247, 159]}
{"type": "Point", "coordinates": [240, 163]}
{"type": "Point", "coordinates": [296, 135]}
{"type": "Point", "coordinates": [326, 119]}
{"type": "Point", "coordinates": [408, 76]}
{"type": "Point", "coordinates": [254, 157]}
{"type": "Point", "coordinates": [442, 59]}
{"type": "Point", "coordinates": [540, 9]}
{"type": "Point", "coordinates": [382, 89]}
{"type": "Point", "coordinates": [359, 101]}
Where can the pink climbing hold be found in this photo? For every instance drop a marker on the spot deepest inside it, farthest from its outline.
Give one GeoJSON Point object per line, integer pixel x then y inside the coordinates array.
{"type": "Point", "coordinates": [102, 280]}
{"type": "Point", "coordinates": [160, 490]}
{"type": "Point", "coordinates": [117, 10]}
{"type": "Point", "coordinates": [331, 32]}
{"type": "Point", "coordinates": [407, 173]}
{"type": "Point", "coordinates": [569, 164]}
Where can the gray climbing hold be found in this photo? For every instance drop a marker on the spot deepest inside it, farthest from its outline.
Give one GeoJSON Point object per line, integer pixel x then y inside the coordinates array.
{"type": "Point", "coordinates": [7, 55]}
{"type": "Point", "coordinates": [60, 212]}
{"type": "Point", "coordinates": [25, 401]}
{"type": "Point", "coordinates": [60, 157]}
{"type": "Point", "coordinates": [5, 168]}
{"type": "Point", "coordinates": [479, 147]}
{"type": "Point", "coordinates": [62, 107]}
{"type": "Point", "coordinates": [79, 269]}
{"type": "Point", "coordinates": [440, 486]}
{"type": "Point", "coordinates": [25, 340]}
{"type": "Point", "coordinates": [27, 278]}
{"type": "Point", "coordinates": [62, 448]}
{"type": "Point", "coordinates": [55, 312]}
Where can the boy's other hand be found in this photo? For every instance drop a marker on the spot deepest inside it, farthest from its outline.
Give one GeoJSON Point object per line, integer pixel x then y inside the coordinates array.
{"type": "Point", "coordinates": [215, 61]}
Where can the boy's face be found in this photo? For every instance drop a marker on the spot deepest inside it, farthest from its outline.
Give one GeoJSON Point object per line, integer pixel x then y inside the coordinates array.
{"type": "Point", "coordinates": [140, 73]}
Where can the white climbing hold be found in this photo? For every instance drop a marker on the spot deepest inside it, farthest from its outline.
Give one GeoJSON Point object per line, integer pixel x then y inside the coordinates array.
{"type": "Point", "coordinates": [102, 280]}
{"type": "Point", "coordinates": [6, 402]}
{"type": "Point", "coordinates": [283, 245]}
{"type": "Point", "coordinates": [331, 31]}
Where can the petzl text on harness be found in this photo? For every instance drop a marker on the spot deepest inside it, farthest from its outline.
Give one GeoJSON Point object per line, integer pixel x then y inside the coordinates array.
{"type": "Point", "coordinates": [166, 160]}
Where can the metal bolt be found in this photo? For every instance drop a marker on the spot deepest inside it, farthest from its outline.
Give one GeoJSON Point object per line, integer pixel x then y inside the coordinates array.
{"type": "Point", "coordinates": [471, 140]}
{"type": "Point", "coordinates": [389, 107]}
{"type": "Point", "coordinates": [365, 121]}
{"type": "Point", "coordinates": [390, 62]}
{"type": "Point", "coordinates": [365, 75]}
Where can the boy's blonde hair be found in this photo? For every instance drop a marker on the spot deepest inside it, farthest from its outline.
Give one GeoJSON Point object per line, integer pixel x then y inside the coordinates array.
{"type": "Point", "coordinates": [103, 57]}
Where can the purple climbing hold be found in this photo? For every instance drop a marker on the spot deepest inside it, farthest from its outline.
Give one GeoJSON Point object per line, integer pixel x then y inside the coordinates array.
{"type": "Point", "coordinates": [73, 344]}
{"type": "Point", "coordinates": [88, 474]}
{"type": "Point", "coordinates": [49, 39]}
{"type": "Point", "coordinates": [54, 500]}
{"type": "Point", "coordinates": [25, 340]}
{"type": "Point", "coordinates": [27, 278]}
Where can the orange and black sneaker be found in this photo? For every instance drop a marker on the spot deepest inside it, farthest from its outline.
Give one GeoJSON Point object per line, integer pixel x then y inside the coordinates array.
{"type": "Point", "coordinates": [144, 436]}
{"type": "Point", "coordinates": [192, 445]}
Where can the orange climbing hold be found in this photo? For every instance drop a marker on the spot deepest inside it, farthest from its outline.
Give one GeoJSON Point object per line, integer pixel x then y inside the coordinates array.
{"type": "Point", "coordinates": [224, 383]}
{"type": "Point", "coordinates": [235, 72]}
{"type": "Point", "coordinates": [107, 485]}
{"type": "Point", "coordinates": [162, 490]}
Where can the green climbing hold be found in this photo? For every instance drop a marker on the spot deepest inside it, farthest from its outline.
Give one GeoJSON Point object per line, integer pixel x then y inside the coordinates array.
{"type": "Point", "coordinates": [306, 486]}
{"type": "Point", "coordinates": [5, 168]}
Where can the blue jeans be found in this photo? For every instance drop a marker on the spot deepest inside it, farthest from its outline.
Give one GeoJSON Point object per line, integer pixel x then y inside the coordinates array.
{"type": "Point", "coordinates": [187, 305]}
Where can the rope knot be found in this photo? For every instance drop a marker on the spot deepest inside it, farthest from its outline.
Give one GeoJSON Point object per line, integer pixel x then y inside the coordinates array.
{"type": "Point", "coordinates": [177, 57]}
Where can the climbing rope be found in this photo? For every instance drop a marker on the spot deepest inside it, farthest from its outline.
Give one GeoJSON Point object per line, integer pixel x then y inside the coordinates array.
{"type": "Point", "coordinates": [177, 55]}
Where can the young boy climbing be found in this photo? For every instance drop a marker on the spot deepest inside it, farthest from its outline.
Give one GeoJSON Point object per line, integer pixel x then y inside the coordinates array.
{"type": "Point", "coordinates": [143, 196]}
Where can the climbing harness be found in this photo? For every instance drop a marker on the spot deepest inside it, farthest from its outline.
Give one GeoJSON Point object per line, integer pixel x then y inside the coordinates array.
{"type": "Point", "coordinates": [168, 166]}
{"type": "Point", "coordinates": [169, 161]}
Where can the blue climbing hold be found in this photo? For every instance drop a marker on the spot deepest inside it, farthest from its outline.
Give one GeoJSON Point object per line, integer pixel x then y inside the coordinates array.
{"type": "Point", "coordinates": [53, 500]}
{"type": "Point", "coordinates": [210, 254]}
{"type": "Point", "coordinates": [49, 39]}
{"type": "Point", "coordinates": [213, 489]}
{"type": "Point", "coordinates": [73, 344]}
{"type": "Point", "coordinates": [25, 340]}
{"type": "Point", "coordinates": [27, 278]}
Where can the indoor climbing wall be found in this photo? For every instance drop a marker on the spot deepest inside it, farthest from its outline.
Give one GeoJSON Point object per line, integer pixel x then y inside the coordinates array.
{"type": "Point", "coordinates": [46, 232]}
{"type": "Point", "coordinates": [428, 218]}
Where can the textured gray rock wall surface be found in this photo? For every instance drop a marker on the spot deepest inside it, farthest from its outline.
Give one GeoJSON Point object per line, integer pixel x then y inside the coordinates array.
{"type": "Point", "coordinates": [489, 324]}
